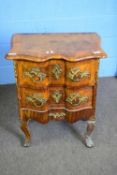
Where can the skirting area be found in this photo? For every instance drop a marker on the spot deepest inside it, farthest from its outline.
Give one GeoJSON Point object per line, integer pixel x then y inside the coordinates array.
{"type": "Point", "coordinates": [57, 148]}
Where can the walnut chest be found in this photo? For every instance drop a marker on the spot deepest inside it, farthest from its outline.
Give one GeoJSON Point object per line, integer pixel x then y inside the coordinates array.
{"type": "Point", "coordinates": [56, 76]}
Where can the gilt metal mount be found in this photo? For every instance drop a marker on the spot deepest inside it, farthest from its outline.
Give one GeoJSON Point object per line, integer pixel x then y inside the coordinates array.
{"type": "Point", "coordinates": [36, 100]}
{"type": "Point", "coordinates": [57, 96]}
{"type": "Point", "coordinates": [76, 99]}
{"type": "Point", "coordinates": [57, 70]}
{"type": "Point", "coordinates": [35, 74]}
{"type": "Point", "coordinates": [75, 74]}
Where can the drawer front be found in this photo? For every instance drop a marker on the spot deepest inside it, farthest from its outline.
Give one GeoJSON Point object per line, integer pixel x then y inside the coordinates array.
{"type": "Point", "coordinates": [33, 99]}
{"type": "Point", "coordinates": [69, 99]}
{"type": "Point", "coordinates": [33, 74]}
{"type": "Point", "coordinates": [57, 73]}
{"type": "Point", "coordinates": [79, 99]}
{"type": "Point", "coordinates": [81, 73]}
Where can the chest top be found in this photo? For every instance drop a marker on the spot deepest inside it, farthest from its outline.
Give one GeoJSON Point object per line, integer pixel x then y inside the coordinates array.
{"type": "Point", "coordinates": [68, 46]}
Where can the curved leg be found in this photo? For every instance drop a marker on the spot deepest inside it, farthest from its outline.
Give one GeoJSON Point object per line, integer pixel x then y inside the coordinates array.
{"type": "Point", "coordinates": [90, 127]}
{"type": "Point", "coordinates": [24, 127]}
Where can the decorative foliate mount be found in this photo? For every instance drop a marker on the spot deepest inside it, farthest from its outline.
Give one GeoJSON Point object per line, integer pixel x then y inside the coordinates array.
{"type": "Point", "coordinates": [15, 70]}
{"type": "Point", "coordinates": [35, 74]}
{"type": "Point", "coordinates": [75, 74]}
{"type": "Point", "coordinates": [36, 100]}
{"type": "Point", "coordinates": [76, 99]}
{"type": "Point", "coordinates": [57, 96]}
{"type": "Point", "coordinates": [58, 115]}
{"type": "Point", "coordinates": [56, 70]}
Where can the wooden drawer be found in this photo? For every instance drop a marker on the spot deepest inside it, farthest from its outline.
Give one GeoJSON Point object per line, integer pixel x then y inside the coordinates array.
{"type": "Point", "coordinates": [36, 75]}
{"type": "Point", "coordinates": [81, 73]}
{"type": "Point", "coordinates": [32, 74]}
{"type": "Point", "coordinates": [78, 99]}
{"type": "Point", "coordinates": [33, 99]}
{"type": "Point", "coordinates": [69, 99]}
{"type": "Point", "coordinates": [57, 73]}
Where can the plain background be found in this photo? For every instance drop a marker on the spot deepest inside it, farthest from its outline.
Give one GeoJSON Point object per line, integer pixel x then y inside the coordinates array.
{"type": "Point", "coordinates": [46, 16]}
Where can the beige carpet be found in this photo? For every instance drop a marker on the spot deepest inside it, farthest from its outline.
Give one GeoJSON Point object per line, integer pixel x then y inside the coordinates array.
{"type": "Point", "coordinates": [56, 147]}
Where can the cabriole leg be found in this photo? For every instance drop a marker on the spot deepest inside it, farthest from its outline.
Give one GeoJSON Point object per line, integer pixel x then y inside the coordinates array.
{"type": "Point", "coordinates": [24, 127]}
{"type": "Point", "coordinates": [90, 127]}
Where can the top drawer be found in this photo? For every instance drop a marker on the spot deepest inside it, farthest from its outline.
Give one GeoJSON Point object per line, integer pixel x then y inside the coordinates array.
{"type": "Point", "coordinates": [57, 73]}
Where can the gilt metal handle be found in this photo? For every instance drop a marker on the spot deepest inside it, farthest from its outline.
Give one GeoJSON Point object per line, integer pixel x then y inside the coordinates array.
{"type": "Point", "coordinates": [35, 74]}
{"type": "Point", "coordinates": [57, 115]}
{"type": "Point", "coordinates": [76, 99]}
{"type": "Point", "coordinates": [36, 100]}
{"type": "Point", "coordinates": [75, 74]}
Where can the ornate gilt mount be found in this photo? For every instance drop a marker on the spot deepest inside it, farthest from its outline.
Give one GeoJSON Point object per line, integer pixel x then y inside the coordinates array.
{"type": "Point", "coordinates": [36, 100]}
{"type": "Point", "coordinates": [57, 71]}
{"type": "Point", "coordinates": [57, 115]}
{"type": "Point", "coordinates": [75, 74]}
{"type": "Point", "coordinates": [15, 70]}
{"type": "Point", "coordinates": [35, 74]}
{"type": "Point", "coordinates": [57, 96]}
{"type": "Point", "coordinates": [76, 99]}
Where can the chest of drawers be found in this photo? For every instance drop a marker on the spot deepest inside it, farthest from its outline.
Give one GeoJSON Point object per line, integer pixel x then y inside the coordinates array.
{"type": "Point", "coordinates": [56, 77]}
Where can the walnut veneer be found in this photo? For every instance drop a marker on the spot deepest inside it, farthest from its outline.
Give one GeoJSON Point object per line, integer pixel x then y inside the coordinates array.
{"type": "Point", "coordinates": [56, 77]}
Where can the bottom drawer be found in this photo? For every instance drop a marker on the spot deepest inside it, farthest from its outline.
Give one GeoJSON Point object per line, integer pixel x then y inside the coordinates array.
{"type": "Point", "coordinates": [45, 117]}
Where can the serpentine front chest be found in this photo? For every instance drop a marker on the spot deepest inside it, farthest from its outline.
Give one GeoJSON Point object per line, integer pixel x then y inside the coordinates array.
{"type": "Point", "coordinates": [56, 77]}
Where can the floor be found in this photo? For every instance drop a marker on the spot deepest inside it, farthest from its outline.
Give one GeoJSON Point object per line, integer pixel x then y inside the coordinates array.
{"type": "Point", "coordinates": [56, 147]}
